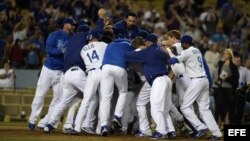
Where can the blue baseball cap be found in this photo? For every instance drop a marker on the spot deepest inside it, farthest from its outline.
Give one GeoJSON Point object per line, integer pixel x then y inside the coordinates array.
{"type": "Point", "coordinates": [94, 34]}
{"type": "Point", "coordinates": [152, 38]}
{"type": "Point", "coordinates": [83, 28]}
{"type": "Point", "coordinates": [143, 34]}
{"type": "Point", "coordinates": [186, 39]}
{"type": "Point", "coordinates": [69, 21]}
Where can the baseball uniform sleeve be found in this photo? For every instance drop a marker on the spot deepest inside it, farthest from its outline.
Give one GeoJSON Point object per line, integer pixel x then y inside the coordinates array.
{"type": "Point", "coordinates": [136, 56]}
{"type": "Point", "coordinates": [183, 56]}
{"type": "Point", "coordinates": [51, 45]}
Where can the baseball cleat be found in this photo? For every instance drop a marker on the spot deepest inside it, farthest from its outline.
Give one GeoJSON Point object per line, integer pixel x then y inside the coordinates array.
{"type": "Point", "coordinates": [67, 130]}
{"type": "Point", "coordinates": [158, 135]}
{"type": "Point", "coordinates": [74, 132]}
{"type": "Point", "coordinates": [116, 124]}
{"type": "Point", "coordinates": [171, 135]}
{"type": "Point", "coordinates": [140, 134]}
{"type": "Point", "coordinates": [49, 128]}
{"type": "Point", "coordinates": [212, 137]}
{"type": "Point", "coordinates": [200, 133]}
{"type": "Point", "coordinates": [41, 126]}
{"type": "Point", "coordinates": [88, 130]}
{"type": "Point", "coordinates": [104, 131]}
{"type": "Point", "coordinates": [31, 126]}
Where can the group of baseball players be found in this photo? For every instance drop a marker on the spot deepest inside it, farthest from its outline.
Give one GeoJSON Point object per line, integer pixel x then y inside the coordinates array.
{"type": "Point", "coordinates": [93, 66]}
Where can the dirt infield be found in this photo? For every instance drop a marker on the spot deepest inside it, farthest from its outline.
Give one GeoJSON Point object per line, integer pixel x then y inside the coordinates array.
{"type": "Point", "coordinates": [21, 133]}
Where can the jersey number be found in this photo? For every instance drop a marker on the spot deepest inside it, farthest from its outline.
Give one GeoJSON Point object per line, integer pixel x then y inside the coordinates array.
{"type": "Point", "coordinates": [200, 61]}
{"type": "Point", "coordinates": [93, 56]}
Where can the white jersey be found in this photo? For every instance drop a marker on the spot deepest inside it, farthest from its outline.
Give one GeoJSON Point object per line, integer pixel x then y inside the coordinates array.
{"type": "Point", "coordinates": [193, 62]}
{"type": "Point", "coordinates": [8, 82]}
{"type": "Point", "coordinates": [92, 54]}
{"type": "Point", "coordinates": [178, 69]}
{"type": "Point", "coordinates": [244, 76]}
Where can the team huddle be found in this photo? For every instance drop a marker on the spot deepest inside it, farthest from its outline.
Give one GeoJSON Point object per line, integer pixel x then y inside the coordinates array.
{"type": "Point", "coordinates": [93, 66]}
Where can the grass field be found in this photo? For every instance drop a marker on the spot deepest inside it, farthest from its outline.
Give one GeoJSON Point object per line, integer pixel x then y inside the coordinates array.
{"type": "Point", "coordinates": [18, 131]}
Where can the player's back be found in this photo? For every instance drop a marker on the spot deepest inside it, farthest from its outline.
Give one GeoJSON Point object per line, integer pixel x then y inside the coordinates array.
{"type": "Point", "coordinates": [193, 61]}
{"type": "Point", "coordinates": [93, 54]}
{"type": "Point", "coordinates": [72, 53]}
{"type": "Point", "coordinates": [116, 52]}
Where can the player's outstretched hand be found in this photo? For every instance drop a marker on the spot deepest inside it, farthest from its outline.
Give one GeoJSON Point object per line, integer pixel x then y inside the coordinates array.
{"type": "Point", "coordinates": [173, 60]}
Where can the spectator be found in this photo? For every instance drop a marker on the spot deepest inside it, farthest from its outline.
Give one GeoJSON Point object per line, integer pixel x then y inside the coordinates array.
{"type": "Point", "coordinates": [204, 43]}
{"type": "Point", "coordinates": [228, 78]}
{"type": "Point", "coordinates": [2, 48]}
{"type": "Point", "coordinates": [220, 37]}
{"type": "Point", "coordinates": [16, 55]}
{"type": "Point", "coordinates": [7, 76]}
{"type": "Point", "coordinates": [212, 57]}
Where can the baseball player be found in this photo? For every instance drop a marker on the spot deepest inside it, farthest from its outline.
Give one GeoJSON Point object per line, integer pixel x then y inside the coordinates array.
{"type": "Point", "coordinates": [113, 70]}
{"type": "Point", "coordinates": [173, 47]}
{"type": "Point", "coordinates": [156, 75]}
{"type": "Point", "coordinates": [126, 28]}
{"type": "Point", "coordinates": [92, 54]}
{"type": "Point", "coordinates": [74, 77]}
{"type": "Point", "coordinates": [191, 57]}
{"type": "Point", "coordinates": [52, 71]}
{"type": "Point", "coordinates": [144, 98]}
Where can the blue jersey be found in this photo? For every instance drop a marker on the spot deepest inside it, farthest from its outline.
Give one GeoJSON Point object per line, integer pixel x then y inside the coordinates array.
{"type": "Point", "coordinates": [207, 72]}
{"type": "Point", "coordinates": [153, 60]}
{"type": "Point", "coordinates": [55, 46]}
{"type": "Point", "coordinates": [116, 52]}
{"type": "Point", "coordinates": [72, 56]}
{"type": "Point", "coordinates": [121, 31]}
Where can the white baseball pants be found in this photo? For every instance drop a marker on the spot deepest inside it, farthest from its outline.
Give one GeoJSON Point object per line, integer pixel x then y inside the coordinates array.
{"type": "Point", "coordinates": [198, 90]}
{"type": "Point", "coordinates": [48, 78]}
{"type": "Point", "coordinates": [74, 82]}
{"type": "Point", "coordinates": [90, 94]}
{"type": "Point", "coordinates": [160, 97]}
{"type": "Point", "coordinates": [112, 75]}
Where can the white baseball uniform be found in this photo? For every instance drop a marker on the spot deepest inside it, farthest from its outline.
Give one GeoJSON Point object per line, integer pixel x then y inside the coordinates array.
{"type": "Point", "coordinates": [198, 90]}
{"type": "Point", "coordinates": [182, 81]}
{"type": "Point", "coordinates": [48, 78]}
{"type": "Point", "coordinates": [114, 73]}
{"type": "Point", "coordinates": [74, 82]}
{"type": "Point", "coordinates": [92, 55]}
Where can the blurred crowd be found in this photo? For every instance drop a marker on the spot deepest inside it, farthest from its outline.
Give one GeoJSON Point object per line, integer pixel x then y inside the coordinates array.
{"type": "Point", "coordinates": [25, 25]}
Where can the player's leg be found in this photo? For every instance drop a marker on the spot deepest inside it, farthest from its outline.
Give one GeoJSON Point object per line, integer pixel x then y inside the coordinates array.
{"type": "Point", "coordinates": [73, 106]}
{"type": "Point", "coordinates": [43, 86]}
{"type": "Point", "coordinates": [89, 121]}
{"type": "Point", "coordinates": [158, 99]}
{"type": "Point", "coordinates": [142, 101]}
{"type": "Point", "coordinates": [57, 84]}
{"type": "Point", "coordinates": [170, 127]}
{"type": "Point", "coordinates": [206, 115]}
{"type": "Point", "coordinates": [73, 82]}
{"type": "Point", "coordinates": [189, 98]}
{"type": "Point", "coordinates": [127, 113]}
{"type": "Point", "coordinates": [121, 81]}
{"type": "Point", "coordinates": [174, 113]}
{"type": "Point", "coordinates": [90, 90]}
{"type": "Point", "coordinates": [107, 89]}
